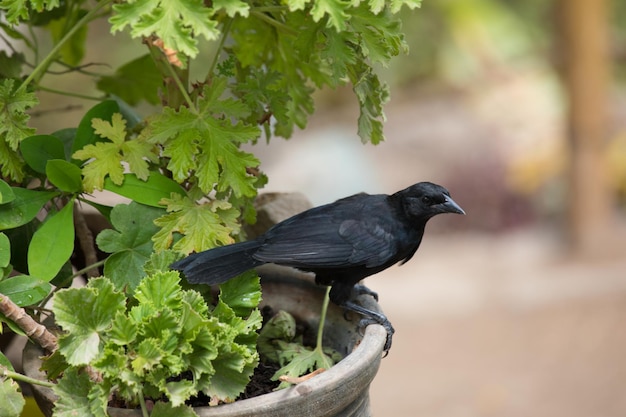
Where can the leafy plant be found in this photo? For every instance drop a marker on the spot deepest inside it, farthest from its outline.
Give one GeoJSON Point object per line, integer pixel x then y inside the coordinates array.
{"type": "Point", "coordinates": [190, 183]}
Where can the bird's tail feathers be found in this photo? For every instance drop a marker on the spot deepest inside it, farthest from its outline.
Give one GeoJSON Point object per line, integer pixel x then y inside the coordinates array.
{"type": "Point", "coordinates": [218, 265]}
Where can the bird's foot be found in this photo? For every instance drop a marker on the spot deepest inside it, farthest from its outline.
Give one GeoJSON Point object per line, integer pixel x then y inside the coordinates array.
{"type": "Point", "coordinates": [386, 325]}
{"type": "Point", "coordinates": [372, 317]}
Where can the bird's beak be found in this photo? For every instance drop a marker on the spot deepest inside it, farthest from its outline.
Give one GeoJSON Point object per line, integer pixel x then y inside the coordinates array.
{"type": "Point", "coordinates": [450, 206]}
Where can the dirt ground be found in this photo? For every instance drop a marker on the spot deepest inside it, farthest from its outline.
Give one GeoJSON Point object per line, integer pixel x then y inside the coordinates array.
{"type": "Point", "coordinates": [504, 323]}
{"type": "Point", "coordinates": [503, 327]}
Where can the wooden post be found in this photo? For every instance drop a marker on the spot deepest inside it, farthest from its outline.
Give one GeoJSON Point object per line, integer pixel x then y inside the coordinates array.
{"type": "Point", "coordinates": [586, 72]}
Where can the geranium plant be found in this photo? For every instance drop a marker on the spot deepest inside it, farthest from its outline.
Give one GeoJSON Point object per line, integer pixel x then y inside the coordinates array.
{"type": "Point", "coordinates": [190, 184]}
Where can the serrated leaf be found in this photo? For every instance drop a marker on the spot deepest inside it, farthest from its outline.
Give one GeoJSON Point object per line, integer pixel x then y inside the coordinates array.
{"type": "Point", "coordinates": [64, 175]}
{"type": "Point", "coordinates": [123, 331]}
{"type": "Point", "coordinates": [105, 158]}
{"type": "Point", "coordinates": [203, 225]}
{"type": "Point", "coordinates": [39, 149]}
{"type": "Point", "coordinates": [13, 104]}
{"type": "Point", "coordinates": [134, 81]}
{"type": "Point", "coordinates": [13, 401]}
{"type": "Point", "coordinates": [24, 207]}
{"type": "Point", "coordinates": [52, 244]}
{"type": "Point", "coordinates": [149, 192]}
{"type": "Point", "coordinates": [302, 360]}
{"type": "Point", "coordinates": [173, 21]}
{"type": "Point", "coordinates": [24, 290]}
{"type": "Point", "coordinates": [147, 356]}
{"type": "Point", "coordinates": [73, 395]}
{"type": "Point", "coordinates": [86, 313]}
{"type": "Point", "coordinates": [232, 373]}
{"type": "Point", "coordinates": [160, 290]}
{"type": "Point", "coordinates": [19, 9]}
{"type": "Point", "coordinates": [336, 11]}
{"type": "Point", "coordinates": [213, 138]}
{"type": "Point", "coordinates": [162, 409]}
{"type": "Point", "coordinates": [85, 134]}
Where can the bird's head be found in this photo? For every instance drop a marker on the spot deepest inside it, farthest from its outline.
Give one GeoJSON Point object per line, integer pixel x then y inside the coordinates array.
{"type": "Point", "coordinates": [425, 200]}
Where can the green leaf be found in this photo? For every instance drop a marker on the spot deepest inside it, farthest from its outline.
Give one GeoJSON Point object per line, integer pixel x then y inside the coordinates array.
{"type": "Point", "coordinates": [162, 409]}
{"type": "Point", "coordinates": [72, 391]}
{"type": "Point", "coordinates": [149, 192]}
{"type": "Point", "coordinates": [73, 50]}
{"type": "Point", "coordinates": [232, 7]}
{"type": "Point", "coordinates": [214, 140]}
{"type": "Point", "coordinates": [160, 290]}
{"type": "Point", "coordinates": [5, 251]}
{"type": "Point", "coordinates": [5, 362]}
{"type": "Point", "coordinates": [281, 326]}
{"type": "Point", "coordinates": [242, 293]}
{"type": "Point", "coordinates": [300, 361]}
{"type": "Point", "coordinates": [6, 193]}
{"type": "Point", "coordinates": [64, 175]}
{"type": "Point", "coordinates": [204, 226]}
{"type": "Point", "coordinates": [86, 313]}
{"type": "Point", "coordinates": [134, 81]}
{"type": "Point", "coordinates": [19, 9]}
{"type": "Point", "coordinates": [39, 149]}
{"type": "Point", "coordinates": [130, 243]}
{"type": "Point", "coordinates": [85, 134]}
{"type": "Point", "coordinates": [24, 290]}
{"type": "Point", "coordinates": [173, 21]}
{"type": "Point", "coordinates": [52, 244]}
{"type": "Point", "coordinates": [11, 66]}
{"type": "Point", "coordinates": [13, 401]}
{"type": "Point", "coordinates": [13, 127]}
{"type": "Point", "coordinates": [335, 9]}
{"type": "Point", "coordinates": [24, 207]}
{"type": "Point", "coordinates": [106, 158]}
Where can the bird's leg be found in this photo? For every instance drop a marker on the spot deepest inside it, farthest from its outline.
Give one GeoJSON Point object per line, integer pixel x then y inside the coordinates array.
{"type": "Point", "coordinates": [372, 317]}
{"type": "Point", "coordinates": [360, 289]}
{"type": "Point", "coordinates": [340, 295]}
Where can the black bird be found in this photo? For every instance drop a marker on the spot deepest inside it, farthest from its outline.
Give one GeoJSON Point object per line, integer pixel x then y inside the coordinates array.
{"type": "Point", "coordinates": [341, 242]}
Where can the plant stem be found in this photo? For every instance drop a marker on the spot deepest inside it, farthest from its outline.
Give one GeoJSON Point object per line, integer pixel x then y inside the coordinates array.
{"type": "Point", "coordinates": [278, 25]}
{"type": "Point", "coordinates": [227, 26]}
{"type": "Point", "coordinates": [23, 378]}
{"type": "Point", "coordinates": [142, 404]}
{"type": "Point", "coordinates": [320, 329]}
{"type": "Point", "coordinates": [68, 93]}
{"type": "Point", "coordinates": [45, 63]}
{"type": "Point", "coordinates": [181, 87]}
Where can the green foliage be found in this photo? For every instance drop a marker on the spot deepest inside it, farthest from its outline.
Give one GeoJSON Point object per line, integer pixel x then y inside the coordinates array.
{"type": "Point", "coordinates": [130, 244]}
{"type": "Point", "coordinates": [52, 244]}
{"type": "Point", "coordinates": [279, 343]}
{"type": "Point", "coordinates": [203, 225]}
{"type": "Point", "coordinates": [162, 331]}
{"type": "Point", "coordinates": [105, 158]}
{"type": "Point", "coordinates": [183, 166]}
{"type": "Point", "coordinates": [13, 127]}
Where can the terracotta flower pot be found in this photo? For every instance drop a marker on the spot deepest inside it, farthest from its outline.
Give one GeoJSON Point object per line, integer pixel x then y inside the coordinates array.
{"type": "Point", "coordinates": [342, 390]}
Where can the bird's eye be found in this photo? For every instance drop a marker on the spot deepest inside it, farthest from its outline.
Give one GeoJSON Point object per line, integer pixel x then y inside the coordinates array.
{"type": "Point", "coordinates": [427, 200]}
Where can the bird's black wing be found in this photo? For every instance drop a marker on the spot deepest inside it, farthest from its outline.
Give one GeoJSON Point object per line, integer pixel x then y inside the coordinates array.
{"type": "Point", "coordinates": [357, 231]}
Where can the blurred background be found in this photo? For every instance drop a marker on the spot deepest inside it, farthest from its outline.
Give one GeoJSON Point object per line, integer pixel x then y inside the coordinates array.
{"type": "Point", "coordinates": [518, 107]}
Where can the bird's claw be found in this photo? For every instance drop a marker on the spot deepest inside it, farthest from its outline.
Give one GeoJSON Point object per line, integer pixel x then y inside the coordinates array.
{"type": "Point", "coordinates": [386, 325]}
